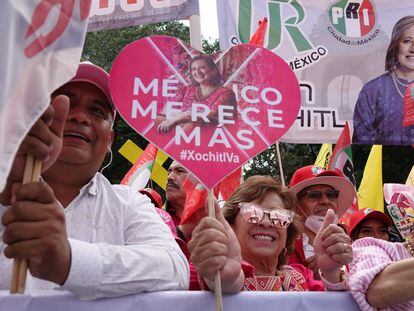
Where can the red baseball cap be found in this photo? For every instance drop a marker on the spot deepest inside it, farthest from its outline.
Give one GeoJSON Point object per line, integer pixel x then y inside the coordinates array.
{"type": "Point", "coordinates": [365, 214]}
{"type": "Point", "coordinates": [155, 197]}
{"type": "Point", "coordinates": [312, 175]}
{"type": "Point", "coordinates": [88, 72]}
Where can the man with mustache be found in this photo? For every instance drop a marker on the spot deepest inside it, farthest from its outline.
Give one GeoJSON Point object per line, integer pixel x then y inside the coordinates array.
{"type": "Point", "coordinates": [77, 231]}
{"type": "Point", "coordinates": [175, 193]}
{"type": "Point", "coordinates": [318, 190]}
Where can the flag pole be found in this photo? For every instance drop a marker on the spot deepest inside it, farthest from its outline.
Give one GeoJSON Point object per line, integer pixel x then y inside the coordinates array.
{"type": "Point", "coordinates": [195, 32]}
{"type": "Point", "coordinates": [279, 160]}
{"type": "Point", "coordinates": [217, 279]}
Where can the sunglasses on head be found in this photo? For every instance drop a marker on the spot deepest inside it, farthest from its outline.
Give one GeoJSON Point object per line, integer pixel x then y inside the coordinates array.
{"type": "Point", "coordinates": [331, 194]}
{"type": "Point", "coordinates": [253, 214]}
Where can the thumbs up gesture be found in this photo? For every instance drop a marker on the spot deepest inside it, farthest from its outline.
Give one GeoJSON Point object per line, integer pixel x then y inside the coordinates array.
{"type": "Point", "coordinates": [214, 247]}
{"type": "Point", "coordinates": [332, 248]}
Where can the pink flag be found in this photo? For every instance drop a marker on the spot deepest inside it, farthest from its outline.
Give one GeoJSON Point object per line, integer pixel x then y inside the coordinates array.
{"type": "Point", "coordinates": [43, 43]}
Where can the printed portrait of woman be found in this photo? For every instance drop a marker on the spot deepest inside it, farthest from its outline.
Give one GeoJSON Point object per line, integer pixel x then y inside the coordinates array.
{"type": "Point", "coordinates": [384, 110]}
{"type": "Point", "coordinates": [206, 89]}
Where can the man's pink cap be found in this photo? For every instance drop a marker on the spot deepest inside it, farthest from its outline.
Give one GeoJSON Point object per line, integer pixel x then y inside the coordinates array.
{"type": "Point", "coordinates": [88, 72]}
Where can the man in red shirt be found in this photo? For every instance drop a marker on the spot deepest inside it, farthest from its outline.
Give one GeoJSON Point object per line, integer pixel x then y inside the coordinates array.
{"type": "Point", "coordinates": [317, 190]}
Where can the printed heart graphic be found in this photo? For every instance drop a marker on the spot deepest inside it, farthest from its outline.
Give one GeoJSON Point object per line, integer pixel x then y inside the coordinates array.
{"type": "Point", "coordinates": [210, 113]}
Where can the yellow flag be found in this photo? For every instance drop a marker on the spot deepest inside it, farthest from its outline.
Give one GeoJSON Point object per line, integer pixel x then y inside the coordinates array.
{"type": "Point", "coordinates": [324, 155]}
{"type": "Point", "coordinates": [410, 178]}
{"type": "Point", "coordinates": [370, 192]}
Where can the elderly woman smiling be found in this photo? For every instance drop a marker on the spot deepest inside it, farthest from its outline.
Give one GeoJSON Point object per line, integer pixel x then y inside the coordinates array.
{"type": "Point", "coordinates": [251, 238]}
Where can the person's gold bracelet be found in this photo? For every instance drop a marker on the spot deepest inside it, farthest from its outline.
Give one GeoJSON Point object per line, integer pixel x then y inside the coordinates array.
{"type": "Point", "coordinates": [340, 286]}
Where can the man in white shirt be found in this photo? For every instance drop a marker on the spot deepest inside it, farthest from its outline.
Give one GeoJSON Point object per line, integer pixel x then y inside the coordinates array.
{"type": "Point", "coordinates": [79, 232]}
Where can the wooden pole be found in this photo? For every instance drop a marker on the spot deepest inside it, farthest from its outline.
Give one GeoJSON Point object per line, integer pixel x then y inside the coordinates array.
{"type": "Point", "coordinates": [32, 170]}
{"type": "Point", "coordinates": [217, 280]}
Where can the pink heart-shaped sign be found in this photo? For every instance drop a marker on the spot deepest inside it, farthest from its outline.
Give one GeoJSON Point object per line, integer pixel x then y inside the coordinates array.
{"type": "Point", "coordinates": [210, 113]}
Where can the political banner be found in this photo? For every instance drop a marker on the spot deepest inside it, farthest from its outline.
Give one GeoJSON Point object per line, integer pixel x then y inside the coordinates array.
{"type": "Point", "coordinates": [109, 14]}
{"type": "Point", "coordinates": [337, 49]}
{"type": "Point", "coordinates": [403, 219]}
{"type": "Point", "coordinates": [399, 193]}
{"type": "Point", "coordinates": [210, 113]}
{"type": "Point", "coordinates": [401, 207]}
{"type": "Point", "coordinates": [43, 44]}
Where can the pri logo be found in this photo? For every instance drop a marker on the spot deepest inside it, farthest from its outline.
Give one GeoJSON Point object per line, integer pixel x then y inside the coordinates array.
{"type": "Point", "coordinates": [316, 170]}
{"type": "Point", "coordinates": [353, 18]}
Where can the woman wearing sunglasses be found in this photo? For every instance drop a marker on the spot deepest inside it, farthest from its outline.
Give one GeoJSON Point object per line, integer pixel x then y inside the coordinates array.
{"type": "Point", "coordinates": [250, 240]}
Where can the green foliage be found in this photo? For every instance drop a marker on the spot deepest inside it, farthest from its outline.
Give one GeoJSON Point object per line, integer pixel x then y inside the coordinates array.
{"type": "Point", "coordinates": [292, 156]}
{"type": "Point", "coordinates": [210, 47]}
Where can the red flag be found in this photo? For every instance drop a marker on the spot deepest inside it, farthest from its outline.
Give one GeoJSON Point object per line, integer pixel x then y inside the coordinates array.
{"type": "Point", "coordinates": [258, 36]}
{"type": "Point", "coordinates": [341, 160]}
{"type": "Point", "coordinates": [195, 201]}
{"type": "Point", "coordinates": [228, 185]}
